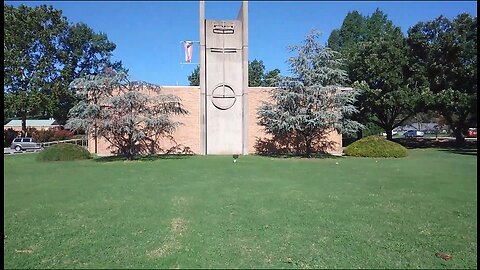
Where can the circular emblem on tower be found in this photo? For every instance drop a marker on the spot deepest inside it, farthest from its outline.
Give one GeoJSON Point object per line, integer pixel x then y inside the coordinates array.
{"type": "Point", "coordinates": [223, 97]}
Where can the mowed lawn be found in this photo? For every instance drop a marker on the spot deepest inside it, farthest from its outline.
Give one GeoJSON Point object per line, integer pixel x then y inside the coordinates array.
{"type": "Point", "coordinates": [261, 212]}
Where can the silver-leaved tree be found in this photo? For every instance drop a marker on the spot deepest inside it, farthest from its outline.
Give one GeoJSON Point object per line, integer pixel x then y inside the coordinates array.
{"type": "Point", "coordinates": [132, 116]}
{"type": "Point", "coordinates": [314, 101]}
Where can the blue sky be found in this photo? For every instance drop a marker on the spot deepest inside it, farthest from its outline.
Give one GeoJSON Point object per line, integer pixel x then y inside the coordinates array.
{"type": "Point", "coordinates": [148, 33]}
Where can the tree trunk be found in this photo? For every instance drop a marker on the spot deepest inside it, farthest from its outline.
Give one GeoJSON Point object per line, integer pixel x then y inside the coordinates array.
{"type": "Point", "coordinates": [389, 133]}
{"type": "Point", "coordinates": [24, 124]}
{"type": "Point", "coordinates": [95, 137]}
{"type": "Point", "coordinates": [308, 145]}
{"type": "Point", "coordinates": [130, 150]}
{"type": "Point", "coordinates": [459, 138]}
{"type": "Point", "coordinates": [359, 134]}
{"type": "Point", "coordinates": [152, 146]}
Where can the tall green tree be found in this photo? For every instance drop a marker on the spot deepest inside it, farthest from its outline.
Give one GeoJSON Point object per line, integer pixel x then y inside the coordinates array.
{"type": "Point", "coordinates": [81, 52]}
{"type": "Point", "coordinates": [311, 103]}
{"type": "Point", "coordinates": [194, 77]}
{"type": "Point", "coordinates": [356, 29]}
{"type": "Point", "coordinates": [30, 46]}
{"type": "Point", "coordinates": [445, 53]}
{"type": "Point", "coordinates": [377, 61]}
{"type": "Point", "coordinates": [377, 26]}
{"type": "Point", "coordinates": [272, 78]}
{"type": "Point", "coordinates": [352, 31]}
{"type": "Point", "coordinates": [334, 40]}
{"type": "Point", "coordinates": [388, 97]}
{"type": "Point", "coordinates": [257, 76]}
{"type": "Point", "coordinates": [256, 73]}
{"type": "Point", "coordinates": [348, 40]}
{"type": "Point", "coordinates": [43, 54]}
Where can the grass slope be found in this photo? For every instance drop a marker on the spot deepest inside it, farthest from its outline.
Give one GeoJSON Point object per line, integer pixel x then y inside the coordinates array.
{"type": "Point", "coordinates": [207, 212]}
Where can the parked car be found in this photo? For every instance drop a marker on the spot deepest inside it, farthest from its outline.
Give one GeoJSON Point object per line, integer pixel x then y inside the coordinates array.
{"type": "Point", "coordinates": [393, 133]}
{"type": "Point", "coordinates": [431, 131]}
{"type": "Point", "coordinates": [24, 143]}
{"type": "Point", "coordinates": [413, 133]}
{"type": "Point", "coordinates": [472, 133]}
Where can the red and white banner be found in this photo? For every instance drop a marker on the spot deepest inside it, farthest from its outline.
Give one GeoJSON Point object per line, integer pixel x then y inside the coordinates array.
{"type": "Point", "coordinates": [188, 46]}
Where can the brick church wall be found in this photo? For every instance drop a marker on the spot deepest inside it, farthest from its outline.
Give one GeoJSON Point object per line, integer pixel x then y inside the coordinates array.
{"type": "Point", "coordinates": [188, 134]}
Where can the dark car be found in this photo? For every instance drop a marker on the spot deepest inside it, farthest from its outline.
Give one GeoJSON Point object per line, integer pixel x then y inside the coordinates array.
{"type": "Point", "coordinates": [413, 133]}
{"type": "Point", "coordinates": [24, 143]}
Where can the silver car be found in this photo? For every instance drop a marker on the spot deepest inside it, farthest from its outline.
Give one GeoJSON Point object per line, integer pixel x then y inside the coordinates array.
{"type": "Point", "coordinates": [24, 143]}
{"type": "Point", "coordinates": [413, 133]}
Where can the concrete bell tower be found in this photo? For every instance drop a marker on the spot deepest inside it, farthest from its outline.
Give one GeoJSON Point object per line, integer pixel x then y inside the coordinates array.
{"type": "Point", "coordinates": [224, 84]}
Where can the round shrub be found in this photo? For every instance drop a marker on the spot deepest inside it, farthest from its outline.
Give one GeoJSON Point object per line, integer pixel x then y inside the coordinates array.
{"type": "Point", "coordinates": [375, 146]}
{"type": "Point", "coordinates": [63, 152]}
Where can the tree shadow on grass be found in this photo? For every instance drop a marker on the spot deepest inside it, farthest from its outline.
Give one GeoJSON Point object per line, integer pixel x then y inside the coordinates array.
{"type": "Point", "coordinates": [446, 145]}
{"type": "Point", "coordinates": [292, 146]}
{"type": "Point", "coordinates": [144, 158]}
{"type": "Point", "coordinates": [177, 151]}
{"type": "Point", "coordinates": [295, 156]}
{"type": "Point", "coordinates": [413, 143]}
{"type": "Point", "coordinates": [461, 151]}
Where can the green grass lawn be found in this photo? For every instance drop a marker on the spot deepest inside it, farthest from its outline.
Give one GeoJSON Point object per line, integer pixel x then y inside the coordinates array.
{"type": "Point", "coordinates": [261, 212]}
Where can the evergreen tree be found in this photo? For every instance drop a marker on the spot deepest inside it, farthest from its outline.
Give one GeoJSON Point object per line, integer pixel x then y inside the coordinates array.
{"type": "Point", "coordinates": [194, 77]}
{"type": "Point", "coordinates": [256, 75]}
{"type": "Point", "coordinates": [352, 31]}
{"type": "Point", "coordinates": [124, 113]}
{"type": "Point", "coordinates": [377, 26]}
{"type": "Point", "coordinates": [334, 40]}
{"type": "Point", "coordinates": [272, 78]}
{"type": "Point", "coordinates": [312, 103]}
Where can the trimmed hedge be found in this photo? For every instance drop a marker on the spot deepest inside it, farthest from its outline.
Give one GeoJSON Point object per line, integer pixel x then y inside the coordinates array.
{"type": "Point", "coordinates": [375, 146]}
{"type": "Point", "coordinates": [52, 134]}
{"type": "Point", "coordinates": [63, 152]}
